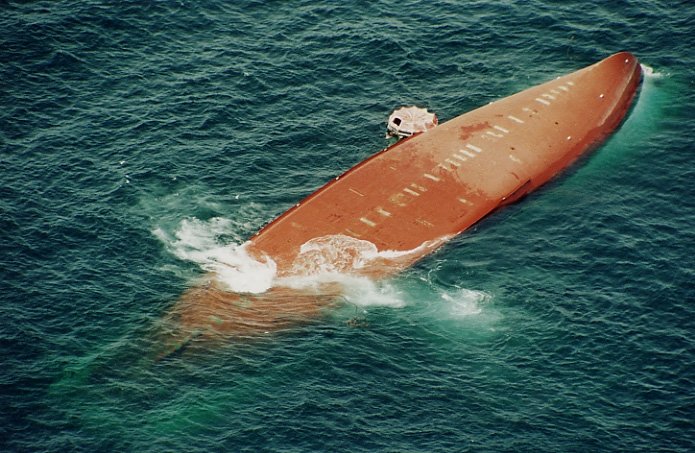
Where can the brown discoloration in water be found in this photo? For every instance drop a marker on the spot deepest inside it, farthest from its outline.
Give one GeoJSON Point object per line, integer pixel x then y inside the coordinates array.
{"type": "Point", "coordinates": [209, 313]}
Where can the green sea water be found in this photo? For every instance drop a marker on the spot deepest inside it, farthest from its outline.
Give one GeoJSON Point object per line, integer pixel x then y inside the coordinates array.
{"type": "Point", "coordinates": [139, 138]}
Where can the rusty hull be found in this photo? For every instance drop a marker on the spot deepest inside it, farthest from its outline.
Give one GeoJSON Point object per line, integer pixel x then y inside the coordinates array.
{"type": "Point", "coordinates": [424, 190]}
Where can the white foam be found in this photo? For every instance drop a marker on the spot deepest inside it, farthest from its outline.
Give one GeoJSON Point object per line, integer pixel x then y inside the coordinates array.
{"type": "Point", "coordinates": [649, 72]}
{"type": "Point", "coordinates": [343, 254]}
{"type": "Point", "coordinates": [355, 289]}
{"type": "Point", "coordinates": [365, 292]}
{"type": "Point", "coordinates": [338, 259]}
{"type": "Point", "coordinates": [199, 242]}
{"type": "Point", "coordinates": [240, 272]}
{"type": "Point", "coordinates": [333, 254]}
{"type": "Point", "coordinates": [462, 303]}
{"type": "Point", "coordinates": [332, 259]}
{"type": "Point", "coordinates": [193, 236]}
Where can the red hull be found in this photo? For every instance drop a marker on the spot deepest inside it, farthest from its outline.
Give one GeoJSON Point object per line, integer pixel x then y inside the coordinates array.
{"type": "Point", "coordinates": [416, 194]}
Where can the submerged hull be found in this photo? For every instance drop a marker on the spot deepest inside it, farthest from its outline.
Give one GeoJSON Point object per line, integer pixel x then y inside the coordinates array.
{"type": "Point", "coordinates": [408, 199]}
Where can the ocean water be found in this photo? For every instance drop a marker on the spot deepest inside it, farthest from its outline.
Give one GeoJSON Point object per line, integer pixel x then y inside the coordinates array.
{"type": "Point", "coordinates": [137, 139]}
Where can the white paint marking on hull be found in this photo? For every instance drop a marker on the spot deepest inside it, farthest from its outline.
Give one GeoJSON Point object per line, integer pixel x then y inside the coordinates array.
{"type": "Point", "coordinates": [367, 222]}
{"type": "Point", "coordinates": [464, 201]}
{"type": "Point", "coordinates": [383, 212]}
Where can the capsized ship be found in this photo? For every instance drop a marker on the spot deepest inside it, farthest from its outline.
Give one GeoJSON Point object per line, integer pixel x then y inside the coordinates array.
{"type": "Point", "coordinates": [402, 203]}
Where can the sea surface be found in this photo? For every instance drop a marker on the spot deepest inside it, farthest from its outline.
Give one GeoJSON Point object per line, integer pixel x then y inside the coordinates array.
{"type": "Point", "coordinates": [139, 138]}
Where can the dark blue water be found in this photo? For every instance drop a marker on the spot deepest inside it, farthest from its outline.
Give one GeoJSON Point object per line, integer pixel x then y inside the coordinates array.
{"type": "Point", "coordinates": [135, 137]}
